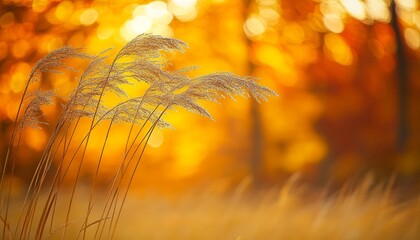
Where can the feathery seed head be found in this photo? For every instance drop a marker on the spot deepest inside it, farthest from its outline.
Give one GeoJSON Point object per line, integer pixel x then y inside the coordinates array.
{"type": "Point", "coordinates": [33, 113]}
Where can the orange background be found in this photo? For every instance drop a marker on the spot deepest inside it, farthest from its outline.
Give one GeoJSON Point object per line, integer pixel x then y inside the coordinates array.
{"type": "Point", "coordinates": [333, 63]}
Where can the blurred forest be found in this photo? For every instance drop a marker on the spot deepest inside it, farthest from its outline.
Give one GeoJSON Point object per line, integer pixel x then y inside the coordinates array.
{"type": "Point", "coordinates": [347, 73]}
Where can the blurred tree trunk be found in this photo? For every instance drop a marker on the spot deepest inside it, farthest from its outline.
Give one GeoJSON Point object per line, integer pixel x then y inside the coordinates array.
{"type": "Point", "coordinates": [256, 148]}
{"type": "Point", "coordinates": [402, 81]}
{"type": "Point", "coordinates": [257, 143]}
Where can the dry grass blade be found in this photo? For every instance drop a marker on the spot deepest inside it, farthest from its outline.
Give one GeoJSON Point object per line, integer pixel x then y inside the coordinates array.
{"type": "Point", "coordinates": [83, 100]}
{"type": "Point", "coordinates": [148, 46]}
{"type": "Point", "coordinates": [55, 61]}
{"type": "Point", "coordinates": [230, 84]}
{"type": "Point", "coordinates": [141, 61]}
{"type": "Point", "coordinates": [51, 63]}
{"type": "Point", "coordinates": [32, 114]}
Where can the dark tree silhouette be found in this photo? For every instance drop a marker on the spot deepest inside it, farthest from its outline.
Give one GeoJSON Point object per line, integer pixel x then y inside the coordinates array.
{"type": "Point", "coordinates": [402, 78]}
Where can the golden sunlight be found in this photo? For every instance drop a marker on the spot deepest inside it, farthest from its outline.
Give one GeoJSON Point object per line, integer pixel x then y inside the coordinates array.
{"type": "Point", "coordinates": [412, 36]}
{"type": "Point", "coordinates": [88, 16]}
{"type": "Point", "coordinates": [408, 4]}
{"type": "Point", "coordinates": [333, 23]}
{"type": "Point", "coordinates": [156, 9]}
{"type": "Point", "coordinates": [156, 139]}
{"type": "Point", "coordinates": [185, 3]}
{"type": "Point", "coordinates": [316, 109]}
{"type": "Point", "coordinates": [64, 10]}
{"type": "Point", "coordinates": [337, 49]}
{"type": "Point", "coordinates": [355, 8]}
{"type": "Point", "coordinates": [378, 10]}
{"type": "Point", "coordinates": [254, 26]}
{"type": "Point", "coordinates": [184, 10]}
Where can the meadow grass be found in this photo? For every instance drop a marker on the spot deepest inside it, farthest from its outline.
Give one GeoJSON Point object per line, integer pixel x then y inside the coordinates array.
{"type": "Point", "coordinates": [272, 215]}
{"type": "Point", "coordinates": [365, 210]}
{"type": "Point", "coordinates": [57, 204]}
{"type": "Point", "coordinates": [55, 186]}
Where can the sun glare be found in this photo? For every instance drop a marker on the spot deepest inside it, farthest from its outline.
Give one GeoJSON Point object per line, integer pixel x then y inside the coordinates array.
{"type": "Point", "coordinates": [355, 8]}
{"type": "Point", "coordinates": [185, 3]}
{"type": "Point", "coordinates": [156, 9]}
{"type": "Point", "coordinates": [378, 10]}
{"type": "Point", "coordinates": [254, 26]}
{"type": "Point", "coordinates": [184, 11]}
{"type": "Point", "coordinates": [141, 24]}
{"type": "Point", "coordinates": [333, 23]}
{"type": "Point", "coordinates": [409, 4]}
{"type": "Point", "coordinates": [138, 25]}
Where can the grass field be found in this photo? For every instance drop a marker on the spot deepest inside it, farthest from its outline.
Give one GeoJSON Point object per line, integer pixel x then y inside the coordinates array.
{"type": "Point", "coordinates": [290, 212]}
{"type": "Point", "coordinates": [67, 197]}
{"type": "Point", "coordinates": [285, 214]}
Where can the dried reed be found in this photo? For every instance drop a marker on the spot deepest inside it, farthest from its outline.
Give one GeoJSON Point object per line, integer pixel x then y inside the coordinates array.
{"type": "Point", "coordinates": [141, 60]}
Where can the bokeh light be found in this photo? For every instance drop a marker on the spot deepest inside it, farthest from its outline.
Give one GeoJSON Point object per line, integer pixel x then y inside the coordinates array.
{"type": "Point", "coordinates": [355, 8]}
{"type": "Point", "coordinates": [334, 63]}
{"type": "Point", "coordinates": [254, 26]}
{"type": "Point", "coordinates": [88, 17]}
{"type": "Point", "coordinates": [412, 37]}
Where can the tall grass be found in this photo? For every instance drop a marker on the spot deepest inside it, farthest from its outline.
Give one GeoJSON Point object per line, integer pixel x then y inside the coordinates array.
{"type": "Point", "coordinates": [141, 61]}
{"type": "Point", "coordinates": [364, 210]}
